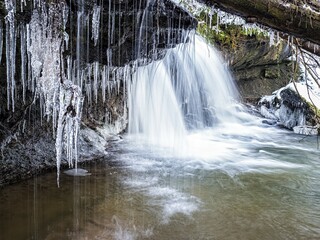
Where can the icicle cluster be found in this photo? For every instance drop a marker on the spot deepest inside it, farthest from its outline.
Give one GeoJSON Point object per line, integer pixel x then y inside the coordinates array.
{"type": "Point", "coordinates": [45, 52]}
{"type": "Point", "coordinates": [61, 98]}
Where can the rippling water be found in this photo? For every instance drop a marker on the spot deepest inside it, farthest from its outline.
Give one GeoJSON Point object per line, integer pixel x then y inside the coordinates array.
{"type": "Point", "coordinates": [232, 182]}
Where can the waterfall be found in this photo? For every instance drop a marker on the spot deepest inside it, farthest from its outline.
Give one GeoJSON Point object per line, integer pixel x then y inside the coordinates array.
{"type": "Point", "coordinates": [189, 89]}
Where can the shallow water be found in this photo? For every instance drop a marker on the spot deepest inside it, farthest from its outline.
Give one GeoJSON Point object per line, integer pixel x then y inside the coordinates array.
{"type": "Point", "coordinates": [232, 182]}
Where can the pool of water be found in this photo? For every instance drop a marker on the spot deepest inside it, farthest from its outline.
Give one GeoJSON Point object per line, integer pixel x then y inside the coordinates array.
{"type": "Point", "coordinates": [234, 182]}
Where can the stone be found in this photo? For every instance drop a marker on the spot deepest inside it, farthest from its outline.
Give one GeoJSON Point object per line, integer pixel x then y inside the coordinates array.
{"type": "Point", "coordinates": [271, 73]}
{"type": "Point", "coordinates": [289, 110]}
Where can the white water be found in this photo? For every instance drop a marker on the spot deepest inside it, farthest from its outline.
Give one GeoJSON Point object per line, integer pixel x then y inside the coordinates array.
{"type": "Point", "coordinates": [190, 89]}
{"type": "Point", "coordinates": [185, 124]}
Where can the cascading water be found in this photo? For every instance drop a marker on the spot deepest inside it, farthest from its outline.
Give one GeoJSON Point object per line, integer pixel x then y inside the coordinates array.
{"type": "Point", "coordinates": [189, 89]}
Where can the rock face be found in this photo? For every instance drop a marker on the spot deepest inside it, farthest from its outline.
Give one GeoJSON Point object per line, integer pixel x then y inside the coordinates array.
{"type": "Point", "coordinates": [99, 47]}
{"type": "Point", "coordinates": [259, 68]}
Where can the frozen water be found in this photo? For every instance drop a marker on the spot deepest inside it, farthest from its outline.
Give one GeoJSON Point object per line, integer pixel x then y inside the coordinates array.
{"type": "Point", "coordinates": [96, 24]}
{"type": "Point", "coordinates": [77, 172]}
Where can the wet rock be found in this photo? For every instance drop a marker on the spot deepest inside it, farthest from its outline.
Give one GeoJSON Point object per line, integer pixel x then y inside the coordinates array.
{"type": "Point", "coordinates": [290, 110]}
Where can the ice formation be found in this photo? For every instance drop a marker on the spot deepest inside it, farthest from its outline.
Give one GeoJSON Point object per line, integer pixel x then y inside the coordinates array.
{"type": "Point", "coordinates": [10, 52]}
{"type": "Point", "coordinates": [62, 100]}
{"type": "Point", "coordinates": [95, 23]}
{"type": "Point", "coordinates": [60, 82]}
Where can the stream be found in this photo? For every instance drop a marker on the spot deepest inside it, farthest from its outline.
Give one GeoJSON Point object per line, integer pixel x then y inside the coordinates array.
{"type": "Point", "coordinates": [249, 181]}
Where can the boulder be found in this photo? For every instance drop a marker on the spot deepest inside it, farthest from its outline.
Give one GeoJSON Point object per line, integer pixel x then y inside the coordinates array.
{"type": "Point", "coordinates": [290, 110]}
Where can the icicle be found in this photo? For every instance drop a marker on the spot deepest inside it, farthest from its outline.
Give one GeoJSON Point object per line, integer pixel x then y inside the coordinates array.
{"type": "Point", "coordinates": [118, 85]}
{"type": "Point", "coordinates": [271, 38]}
{"type": "Point", "coordinates": [218, 19]}
{"type": "Point", "coordinates": [28, 38]}
{"type": "Point", "coordinates": [95, 81]}
{"type": "Point", "coordinates": [89, 93]}
{"type": "Point", "coordinates": [69, 70]}
{"type": "Point", "coordinates": [24, 126]}
{"type": "Point", "coordinates": [210, 20]}
{"type": "Point", "coordinates": [54, 111]}
{"type": "Point", "coordinates": [78, 53]}
{"type": "Point", "coordinates": [41, 109]}
{"type": "Point", "coordinates": [59, 97]}
{"type": "Point", "coordinates": [109, 24]}
{"type": "Point", "coordinates": [78, 104]}
{"type": "Point", "coordinates": [103, 83]}
{"type": "Point", "coordinates": [23, 51]}
{"type": "Point", "coordinates": [23, 4]}
{"type": "Point", "coordinates": [70, 105]}
{"type": "Point", "coordinates": [113, 27]}
{"type": "Point", "coordinates": [59, 139]}
{"type": "Point", "coordinates": [10, 52]}
{"type": "Point", "coordinates": [315, 48]}
{"type": "Point", "coordinates": [1, 40]}
{"type": "Point", "coordinates": [95, 24]}
{"type": "Point", "coordinates": [88, 36]}
{"type": "Point", "coordinates": [65, 14]}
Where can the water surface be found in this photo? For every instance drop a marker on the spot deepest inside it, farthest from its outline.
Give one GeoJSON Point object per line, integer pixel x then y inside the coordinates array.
{"type": "Point", "coordinates": [235, 182]}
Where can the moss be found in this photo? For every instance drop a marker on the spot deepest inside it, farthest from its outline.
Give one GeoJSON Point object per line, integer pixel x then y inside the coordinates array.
{"type": "Point", "coordinates": [228, 36]}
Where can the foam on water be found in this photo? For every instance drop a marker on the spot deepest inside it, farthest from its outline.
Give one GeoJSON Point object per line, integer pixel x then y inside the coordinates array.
{"type": "Point", "coordinates": [169, 200]}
